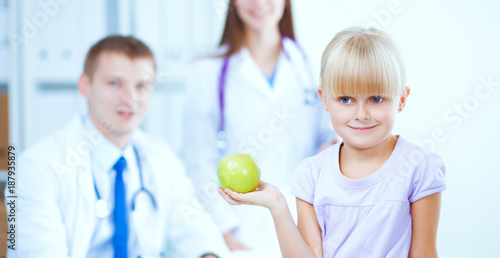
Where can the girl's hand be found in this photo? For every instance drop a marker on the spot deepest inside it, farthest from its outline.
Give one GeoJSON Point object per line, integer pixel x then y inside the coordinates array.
{"type": "Point", "coordinates": [291, 242]}
{"type": "Point", "coordinates": [266, 195]}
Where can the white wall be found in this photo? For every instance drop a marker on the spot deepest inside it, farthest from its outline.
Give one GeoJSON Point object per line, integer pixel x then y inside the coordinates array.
{"type": "Point", "coordinates": [450, 47]}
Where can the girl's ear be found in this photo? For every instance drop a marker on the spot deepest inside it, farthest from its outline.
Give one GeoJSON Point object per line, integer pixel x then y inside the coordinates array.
{"type": "Point", "coordinates": [404, 97]}
{"type": "Point", "coordinates": [323, 98]}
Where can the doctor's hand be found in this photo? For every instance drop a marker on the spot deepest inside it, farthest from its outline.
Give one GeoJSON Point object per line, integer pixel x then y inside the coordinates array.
{"type": "Point", "coordinates": [266, 195]}
{"type": "Point", "coordinates": [233, 243]}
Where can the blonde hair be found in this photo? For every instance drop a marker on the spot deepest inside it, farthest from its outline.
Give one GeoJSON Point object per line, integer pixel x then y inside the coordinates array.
{"type": "Point", "coordinates": [362, 62]}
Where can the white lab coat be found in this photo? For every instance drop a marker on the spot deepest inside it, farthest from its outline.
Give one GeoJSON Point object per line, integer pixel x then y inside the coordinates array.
{"type": "Point", "coordinates": [56, 197]}
{"type": "Point", "coordinates": [273, 124]}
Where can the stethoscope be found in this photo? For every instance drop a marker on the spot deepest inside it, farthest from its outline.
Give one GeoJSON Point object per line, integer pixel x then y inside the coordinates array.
{"type": "Point", "coordinates": [309, 94]}
{"type": "Point", "coordinates": [102, 208]}
{"type": "Point", "coordinates": [141, 218]}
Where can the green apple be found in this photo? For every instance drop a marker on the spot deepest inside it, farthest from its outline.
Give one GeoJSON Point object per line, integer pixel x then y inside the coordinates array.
{"type": "Point", "coordinates": [238, 172]}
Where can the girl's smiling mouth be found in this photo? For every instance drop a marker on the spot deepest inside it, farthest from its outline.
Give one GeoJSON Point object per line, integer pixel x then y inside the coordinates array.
{"type": "Point", "coordinates": [362, 129]}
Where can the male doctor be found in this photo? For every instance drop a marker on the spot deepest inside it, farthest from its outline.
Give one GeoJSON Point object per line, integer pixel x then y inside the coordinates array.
{"type": "Point", "coordinates": [100, 187]}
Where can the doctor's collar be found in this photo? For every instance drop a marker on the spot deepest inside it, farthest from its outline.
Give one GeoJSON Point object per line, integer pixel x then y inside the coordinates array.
{"type": "Point", "coordinates": [102, 149]}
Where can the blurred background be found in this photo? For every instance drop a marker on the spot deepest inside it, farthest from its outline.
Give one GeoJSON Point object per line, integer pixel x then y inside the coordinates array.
{"type": "Point", "coordinates": [452, 51]}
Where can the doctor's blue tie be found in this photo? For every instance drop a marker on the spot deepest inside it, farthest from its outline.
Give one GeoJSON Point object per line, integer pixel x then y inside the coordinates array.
{"type": "Point", "coordinates": [120, 237]}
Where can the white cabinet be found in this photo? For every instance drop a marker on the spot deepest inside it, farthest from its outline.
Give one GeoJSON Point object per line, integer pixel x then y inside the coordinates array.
{"type": "Point", "coordinates": [53, 37]}
{"type": "Point", "coordinates": [177, 31]}
{"type": "Point", "coordinates": [4, 41]}
{"type": "Point", "coordinates": [64, 30]}
{"type": "Point", "coordinates": [56, 36]}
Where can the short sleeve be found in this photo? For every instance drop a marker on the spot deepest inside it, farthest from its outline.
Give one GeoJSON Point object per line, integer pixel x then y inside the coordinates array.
{"type": "Point", "coordinates": [305, 182]}
{"type": "Point", "coordinates": [429, 178]}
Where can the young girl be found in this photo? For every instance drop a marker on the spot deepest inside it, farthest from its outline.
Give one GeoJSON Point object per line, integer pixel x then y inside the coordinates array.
{"type": "Point", "coordinates": [374, 194]}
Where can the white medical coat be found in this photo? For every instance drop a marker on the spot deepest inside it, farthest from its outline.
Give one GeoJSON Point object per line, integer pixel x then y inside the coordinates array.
{"type": "Point", "coordinates": [56, 197]}
{"type": "Point", "coordinates": [273, 124]}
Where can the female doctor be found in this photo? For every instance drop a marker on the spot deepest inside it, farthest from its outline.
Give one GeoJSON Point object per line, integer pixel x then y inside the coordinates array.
{"type": "Point", "coordinates": [256, 96]}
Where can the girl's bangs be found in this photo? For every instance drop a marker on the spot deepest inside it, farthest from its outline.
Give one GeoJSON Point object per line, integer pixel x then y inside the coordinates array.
{"type": "Point", "coordinates": [363, 68]}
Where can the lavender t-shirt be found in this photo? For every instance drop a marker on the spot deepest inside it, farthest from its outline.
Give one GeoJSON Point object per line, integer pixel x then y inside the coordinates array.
{"type": "Point", "coordinates": [369, 217]}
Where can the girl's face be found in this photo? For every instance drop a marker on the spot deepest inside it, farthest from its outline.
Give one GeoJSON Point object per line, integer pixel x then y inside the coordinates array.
{"type": "Point", "coordinates": [364, 121]}
{"type": "Point", "coordinates": [258, 15]}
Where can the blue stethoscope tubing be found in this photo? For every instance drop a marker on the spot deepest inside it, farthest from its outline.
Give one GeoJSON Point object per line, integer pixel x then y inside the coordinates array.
{"type": "Point", "coordinates": [310, 96]}
{"type": "Point", "coordinates": [102, 209]}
